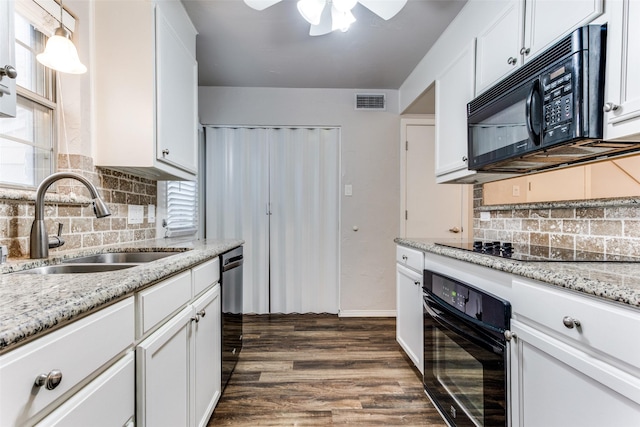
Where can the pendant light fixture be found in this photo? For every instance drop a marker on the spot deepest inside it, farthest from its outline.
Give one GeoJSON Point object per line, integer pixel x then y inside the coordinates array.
{"type": "Point", "coordinates": [60, 54]}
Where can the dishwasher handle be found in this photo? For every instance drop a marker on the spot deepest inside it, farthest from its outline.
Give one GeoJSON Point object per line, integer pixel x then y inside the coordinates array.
{"type": "Point", "coordinates": [233, 262]}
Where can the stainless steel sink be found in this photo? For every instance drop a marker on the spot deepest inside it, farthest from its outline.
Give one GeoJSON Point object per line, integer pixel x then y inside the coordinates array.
{"type": "Point", "coordinates": [120, 257]}
{"type": "Point", "coordinates": [76, 268]}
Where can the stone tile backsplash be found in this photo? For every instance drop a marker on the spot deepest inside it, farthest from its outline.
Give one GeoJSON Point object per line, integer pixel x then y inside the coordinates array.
{"type": "Point", "coordinates": [81, 228]}
{"type": "Point", "coordinates": [610, 226]}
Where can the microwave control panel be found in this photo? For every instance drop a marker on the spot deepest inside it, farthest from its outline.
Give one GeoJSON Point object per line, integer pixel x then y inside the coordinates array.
{"type": "Point", "coordinates": [557, 104]}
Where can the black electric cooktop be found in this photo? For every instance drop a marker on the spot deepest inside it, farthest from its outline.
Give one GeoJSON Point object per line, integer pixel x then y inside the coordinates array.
{"type": "Point", "coordinates": [523, 252]}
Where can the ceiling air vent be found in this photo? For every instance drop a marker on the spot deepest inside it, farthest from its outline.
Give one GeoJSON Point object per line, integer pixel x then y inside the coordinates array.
{"type": "Point", "coordinates": [370, 101]}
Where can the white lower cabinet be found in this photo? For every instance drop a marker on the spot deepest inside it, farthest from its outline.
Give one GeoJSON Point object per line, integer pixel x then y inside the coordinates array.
{"type": "Point", "coordinates": [207, 352]}
{"type": "Point", "coordinates": [107, 401]}
{"type": "Point", "coordinates": [178, 367]}
{"type": "Point", "coordinates": [65, 361]}
{"type": "Point", "coordinates": [574, 361]}
{"type": "Point", "coordinates": [409, 320]}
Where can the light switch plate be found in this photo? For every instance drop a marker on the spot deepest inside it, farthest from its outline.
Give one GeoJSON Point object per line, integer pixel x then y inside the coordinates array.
{"type": "Point", "coordinates": [152, 214]}
{"type": "Point", "coordinates": [135, 214]}
{"type": "Point", "coordinates": [348, 190]}
{"type": "Point", "coordinates": [485, 216]}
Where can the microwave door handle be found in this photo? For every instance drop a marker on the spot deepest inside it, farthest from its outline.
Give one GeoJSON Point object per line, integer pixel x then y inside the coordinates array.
{"type": "Point", "coordinates": [529, 113]}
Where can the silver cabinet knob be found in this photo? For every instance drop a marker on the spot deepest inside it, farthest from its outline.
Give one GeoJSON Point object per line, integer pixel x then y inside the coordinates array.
{"type": "Point", "coordinates": [512, 60]}
{"type": "Point", "coordinates": [201, 313]}
{"type": "Point", "coordinates": [50, 380]}
{"type": "Point", "coordinates": [570, 322]}
{"type": "Point", "coordinates": [454, 230]}
{"type": "Point", "coordinates": [609, 106]}
{"type": "Point", "coordinates": [404, 257]}
{"type": "Point", "coordinates": [525, 51]}
{"type": "Point", "coordinates": [165, 152]}
{"type": "Point", "coordinates": [196, 318]}
{"type": "Point", "coordinates": [508, 335]}
{"type": "Point", "coordinates": [464, 158]}
{"type": "Point", "coordinates": [417, 283]}
{"type": "Point", "coordinates": [8, 71]}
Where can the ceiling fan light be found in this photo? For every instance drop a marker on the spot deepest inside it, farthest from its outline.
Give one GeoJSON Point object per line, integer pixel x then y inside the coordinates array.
{"type": "Point", "coordinates": [60, 54]}
{"type": "Point", "coordinates": [344, 5]}
{"type": "Point", "coordinates": [311, 10]}
{"type": "Point", "coordinates": [341, 20]}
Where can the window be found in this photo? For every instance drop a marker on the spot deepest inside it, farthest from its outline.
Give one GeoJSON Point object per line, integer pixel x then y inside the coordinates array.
{"type": "Point", "coordinates": [27, 148]}
{"type": "Point", "coordinates": [182, 208]}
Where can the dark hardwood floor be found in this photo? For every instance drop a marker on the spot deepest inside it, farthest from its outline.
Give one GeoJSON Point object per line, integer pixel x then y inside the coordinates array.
{"type": "Point", "coordinates": [321, 370]}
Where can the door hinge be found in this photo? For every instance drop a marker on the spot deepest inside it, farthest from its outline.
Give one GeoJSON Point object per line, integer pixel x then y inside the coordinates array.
{"type": "Point", "coordinates": [406, 215]}
{"type": "Point", "coordinates": [406, 146]}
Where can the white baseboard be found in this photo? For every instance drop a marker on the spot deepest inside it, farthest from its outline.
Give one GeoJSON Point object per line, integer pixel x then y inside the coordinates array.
{"type": "Point", "coordinates": [367, 313]}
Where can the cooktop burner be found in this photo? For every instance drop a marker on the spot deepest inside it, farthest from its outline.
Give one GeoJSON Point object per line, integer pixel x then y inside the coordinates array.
{"type": "Point", "coordinates": [523, 252]}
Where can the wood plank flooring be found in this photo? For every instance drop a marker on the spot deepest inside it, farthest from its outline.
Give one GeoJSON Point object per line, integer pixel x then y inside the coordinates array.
{"type": "Point", "coordinates": [321, 370]}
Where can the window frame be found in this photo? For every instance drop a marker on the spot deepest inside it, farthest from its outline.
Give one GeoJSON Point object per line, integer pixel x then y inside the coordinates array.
{"type": "Point", "coordinates": [51, 104]}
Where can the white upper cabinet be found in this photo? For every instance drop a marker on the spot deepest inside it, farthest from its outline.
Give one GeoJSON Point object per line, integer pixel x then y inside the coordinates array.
{"type": "Point", "coordinates": [7, 61]}
{"type": "Point", "coordinates": [622, 107]}
{"type": "Point", "coordinates": [454, 89]}
{"type": "Point", "coordinates": [498, 46]}
{"type": "Point", "coordinates": [525, 28]}
{"type": "Point", "coordinates": [146, 89]}
{"type": "Point", "coordinates": [546, 21]}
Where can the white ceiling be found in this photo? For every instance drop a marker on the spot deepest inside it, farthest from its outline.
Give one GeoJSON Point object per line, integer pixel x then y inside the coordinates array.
{"type": "Point", "coordinates": [239, 46]}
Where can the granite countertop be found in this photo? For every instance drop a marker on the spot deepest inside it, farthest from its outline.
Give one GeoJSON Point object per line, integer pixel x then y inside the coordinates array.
{"type": "Point", "coordinates": [615, 281]}
{"type": "Point", "coordinates": [31, 304]}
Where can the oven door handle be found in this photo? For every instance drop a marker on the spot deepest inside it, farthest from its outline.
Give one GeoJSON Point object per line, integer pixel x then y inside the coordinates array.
{"type": "Point", "coordinates": [483, 340]}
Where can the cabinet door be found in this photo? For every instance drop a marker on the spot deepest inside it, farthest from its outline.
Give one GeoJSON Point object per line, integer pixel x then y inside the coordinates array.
{"type": "Point", "coordinates": [623, 69]}
{"type": "Point", "coordinates": [409, 329]}
{"type": "Point", "coordinates": [107, 401]}
{"type": "Point", "coordinates": [162, 374]}
{"type": "Point", "coordinates": [548, 20]}
{"type": "Point", "coordinates": [498, 46]}
{"type": "Point", "coordinates": [554, 384]}
{"type": "Point", "coordinates": [208, 364]}
{"type": "Point", "coordinates": [454, 89]}
{"type": "Point", "coordinates": [176, 92]}
{"type": "Point", "coordinates": [7, 57]}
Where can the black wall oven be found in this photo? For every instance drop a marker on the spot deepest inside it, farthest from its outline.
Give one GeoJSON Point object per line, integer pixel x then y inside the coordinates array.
{"type": "Point", "coordinates": [465, 352]}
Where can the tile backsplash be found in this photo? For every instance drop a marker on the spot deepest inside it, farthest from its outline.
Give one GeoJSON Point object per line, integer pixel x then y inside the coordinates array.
{"type": "Point", "coordinates": [81, 228]}
{"type": "Point", "coordinates": [610, 226]}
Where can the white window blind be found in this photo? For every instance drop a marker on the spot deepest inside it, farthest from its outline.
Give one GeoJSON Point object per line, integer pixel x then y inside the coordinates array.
{"type": "Point", "coordinates": [182, 208]}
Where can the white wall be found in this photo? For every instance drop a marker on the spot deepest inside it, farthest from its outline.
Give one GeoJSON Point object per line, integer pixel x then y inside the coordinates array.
{"type": "Point", "coordinates": [369, 161]}
{"type": "Point", "coordinates": [471, 20]}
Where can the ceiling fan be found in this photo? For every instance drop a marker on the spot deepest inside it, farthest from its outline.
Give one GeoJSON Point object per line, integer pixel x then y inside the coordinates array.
{"type": "Point", "coordinates": [326, 16]}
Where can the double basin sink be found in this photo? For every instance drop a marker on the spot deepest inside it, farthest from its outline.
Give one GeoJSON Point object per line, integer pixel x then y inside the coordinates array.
{"type": "Point", "coordinates": [100, 263]}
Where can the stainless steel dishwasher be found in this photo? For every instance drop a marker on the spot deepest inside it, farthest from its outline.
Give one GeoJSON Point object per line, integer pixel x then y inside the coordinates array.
{"type": "Point", "coordinates": [231, 291]}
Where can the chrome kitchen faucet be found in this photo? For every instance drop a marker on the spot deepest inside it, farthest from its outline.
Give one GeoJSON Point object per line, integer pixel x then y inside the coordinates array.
{"type": "Point", "coordinates": [39, 241]}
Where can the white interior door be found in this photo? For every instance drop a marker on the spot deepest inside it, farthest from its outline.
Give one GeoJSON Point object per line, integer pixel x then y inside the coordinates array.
{"type": "Point", "coordinates": [431, 210]}
{"type": "Point", "coordinates": [237, 198]}
{"type": "Point", "coordinates": [288, 217]}
{"type": "Point", "coordinates": [304, 220]}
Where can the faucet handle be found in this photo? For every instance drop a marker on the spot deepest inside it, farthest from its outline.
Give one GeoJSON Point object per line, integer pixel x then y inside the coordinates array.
{"type": "Point", "coordinates": [57, 240]}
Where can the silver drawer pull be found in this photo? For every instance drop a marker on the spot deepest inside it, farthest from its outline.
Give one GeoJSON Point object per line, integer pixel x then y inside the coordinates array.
{"type": "Point", "coordinates": [50, 380]}
{"type": "Point", "coordinates": [570, 322]}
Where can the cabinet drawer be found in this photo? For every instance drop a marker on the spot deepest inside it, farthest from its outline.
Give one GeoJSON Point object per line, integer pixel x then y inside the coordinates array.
{"type": "Point", "coordinates": [411, 258]}
{"type": "Point", "coordinates": [77, 350]}
{"type": "Point", "coordinates": [604, 327]}
{"type": "Point", "coordinates": [205, 275]}
{"type": "Point", "coordinates": [109, 400]}
{"type": "Point", "coordinates": [159, 301]}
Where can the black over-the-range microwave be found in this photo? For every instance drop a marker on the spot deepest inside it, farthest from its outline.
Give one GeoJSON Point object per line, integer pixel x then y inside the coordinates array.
{"type": "Point", "coordinates": [547, 113]}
